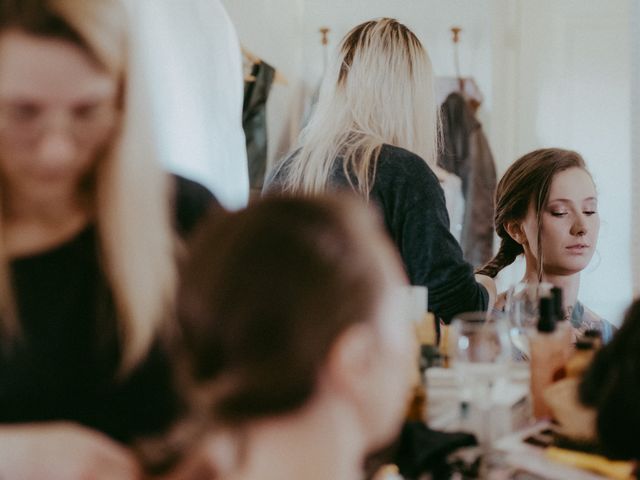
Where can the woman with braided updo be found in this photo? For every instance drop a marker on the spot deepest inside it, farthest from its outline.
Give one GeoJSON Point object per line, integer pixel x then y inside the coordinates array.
{"type": "Point", "coordinates": [547, 210]}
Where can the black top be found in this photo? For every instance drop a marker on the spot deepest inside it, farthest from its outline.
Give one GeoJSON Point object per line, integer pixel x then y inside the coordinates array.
{"type": "Point", "coordinates": [64, 365]}
{"type": "Point", "coordinates": [413, 206]}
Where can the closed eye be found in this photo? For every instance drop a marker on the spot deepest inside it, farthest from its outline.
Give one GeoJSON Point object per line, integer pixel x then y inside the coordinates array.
{"type": "Point", "coordinates": [559, 214]}
{"type": "Point", "coordinates": [24, 112]}
{"type": "Point", "coordinates": [589, 212]}
{"type": "Point", "coordinates": [87, 111]}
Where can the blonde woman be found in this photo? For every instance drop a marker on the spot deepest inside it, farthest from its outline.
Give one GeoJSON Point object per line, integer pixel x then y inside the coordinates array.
{"type": "Point", "coordinates": [374, 131]}
{"type": "Point", "coordinates": [87, 245]}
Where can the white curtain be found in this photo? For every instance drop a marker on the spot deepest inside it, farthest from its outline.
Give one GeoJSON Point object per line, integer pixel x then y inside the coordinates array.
{"type": "Point", "coordinates": [635, 144]}
{"type": "Point", "coordinates": [189, 51]}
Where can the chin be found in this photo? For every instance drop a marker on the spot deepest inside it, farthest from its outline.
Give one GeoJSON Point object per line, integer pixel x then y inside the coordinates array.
{"type": "Point", "coordinates": [53, 186]}
{"type": "Point", "coordinates": [566, 268]}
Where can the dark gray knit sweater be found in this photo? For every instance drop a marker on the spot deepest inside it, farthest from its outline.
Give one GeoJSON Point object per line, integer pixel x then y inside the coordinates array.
{"type": "Point", "coordinates": [412, 203]}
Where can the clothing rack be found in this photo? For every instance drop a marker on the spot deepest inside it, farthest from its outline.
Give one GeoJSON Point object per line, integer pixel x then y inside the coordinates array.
{"type": "Point", "coordinates": [324, 41]}
{"type": "Point", "coordinates": [278, 78]}
{"type": "Point", "coordinates": [466, 86]}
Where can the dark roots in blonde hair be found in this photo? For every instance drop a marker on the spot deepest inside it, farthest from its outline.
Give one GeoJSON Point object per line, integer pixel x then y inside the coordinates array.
{"type": "Point", "coordinates": [527, 181]}
{"type": "Point", "coordinates": [359, 38]}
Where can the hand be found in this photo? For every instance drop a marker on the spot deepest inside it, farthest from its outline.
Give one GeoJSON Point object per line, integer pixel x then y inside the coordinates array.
{"type": "Point", "coordinates": [62, 451]}
{"type": "Point", "coordinates": [490, 284]}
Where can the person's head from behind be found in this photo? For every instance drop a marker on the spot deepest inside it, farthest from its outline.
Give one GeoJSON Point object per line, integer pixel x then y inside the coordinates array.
{"type": "Point", "coordinates": [378, 90]}
{"type": "Point", "coordinates": [385, 84]}
{"type": "Point", "coordinates": [68, 137]}
{"type": "Point", "coordinates": [547, 209]}
{"type": "Point", "coordinates": [291, 305]}
{"type": "Point", "coordinates": [612, 386]}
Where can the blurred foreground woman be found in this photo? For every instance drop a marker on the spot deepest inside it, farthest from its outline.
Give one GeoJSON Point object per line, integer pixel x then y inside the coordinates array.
{"type": "Point", "coordinates": [87, 245]}
{"type": "Point", "coordinates": [297, 353]}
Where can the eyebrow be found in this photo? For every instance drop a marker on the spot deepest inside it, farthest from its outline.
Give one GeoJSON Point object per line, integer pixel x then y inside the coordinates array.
{"type": "Point", "coordinates": [566, 200]}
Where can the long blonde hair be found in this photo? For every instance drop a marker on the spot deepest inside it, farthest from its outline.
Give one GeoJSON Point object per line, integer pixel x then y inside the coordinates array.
{"type": "Point", "coordinates": [131, 196]}
{"type": "Point", "coordinates": [380, 90]}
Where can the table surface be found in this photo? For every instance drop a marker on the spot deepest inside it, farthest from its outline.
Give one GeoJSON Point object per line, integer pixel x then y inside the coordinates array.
{"type": "Point", "coordinates": [510, 421]}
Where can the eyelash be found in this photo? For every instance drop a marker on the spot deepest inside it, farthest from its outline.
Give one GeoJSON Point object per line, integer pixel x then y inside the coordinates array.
{"type": "Point", "coordinates": [588, 213]}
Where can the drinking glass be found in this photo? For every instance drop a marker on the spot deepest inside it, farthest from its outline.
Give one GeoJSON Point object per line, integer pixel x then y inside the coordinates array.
{"type": "Point", "coordinates": [480, 352]}
{"type": "Point", "coordinates": [521, 309]}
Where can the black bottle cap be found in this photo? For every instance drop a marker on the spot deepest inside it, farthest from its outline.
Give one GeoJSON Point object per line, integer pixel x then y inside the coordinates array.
{"type": "Point", "coordinates": [556, 295]}
{"type": "Point", "coordinates": [593, 333]}
{"type": "Point", "coordinates": [547, 319]}
{"type": "Point", "coordinates": [584, 345]}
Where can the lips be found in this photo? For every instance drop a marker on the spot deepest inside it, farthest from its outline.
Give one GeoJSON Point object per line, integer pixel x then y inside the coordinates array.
{"type": "Point", "coordinates": [578, 247]}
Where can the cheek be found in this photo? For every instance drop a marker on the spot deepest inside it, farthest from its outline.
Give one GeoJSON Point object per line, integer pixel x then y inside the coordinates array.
{"type": "Point", "coordinates": [11, 165]}
{"type": "Point", "coordinates": [595, 227]}
{"type": "Point", "coordinates": [531, 235]}
{"type": "Point", "coordinates": [97, 147]}
{"type": "Point", "coordinates": [398, 347]}
{"type": "Point", "coordinates": [402, 359]}
{"type": "Point", "coordinates": [552, 235]}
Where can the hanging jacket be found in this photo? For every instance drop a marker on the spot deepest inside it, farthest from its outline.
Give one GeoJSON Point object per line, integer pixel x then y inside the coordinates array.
{"type": "Point", "coordinates": [254, 121]}
{"type": "Point", "coordinates": [466, 153]}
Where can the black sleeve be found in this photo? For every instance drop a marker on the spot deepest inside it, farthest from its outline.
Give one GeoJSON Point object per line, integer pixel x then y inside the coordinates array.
{"type": "Point", "coordinates": [192, 202]}
{"type": "Point", "coordinates": [419, 225]}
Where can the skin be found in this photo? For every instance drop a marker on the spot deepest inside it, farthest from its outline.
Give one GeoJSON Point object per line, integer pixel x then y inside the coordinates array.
{"type": "Point", "coordinates": [55, 84]}
{"type": "Point", "coordinates": [359, 404]}
{"type": "Point", "coordinates": [570, 227]}
{"type": "Point", "coordinates": [43, 205]}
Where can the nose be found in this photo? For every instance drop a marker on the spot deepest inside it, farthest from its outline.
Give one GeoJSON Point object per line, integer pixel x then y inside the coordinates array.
{"type": "Point", "coordinates": [56, 147]}
{"type": "Point", "coordinates": [579, 227]}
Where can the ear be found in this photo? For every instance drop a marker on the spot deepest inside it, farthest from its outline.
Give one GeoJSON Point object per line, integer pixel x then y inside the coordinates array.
{"type": "Point", "coordinates": [351, 361]}
{"type": "Point", "coordinates": [515, 231]}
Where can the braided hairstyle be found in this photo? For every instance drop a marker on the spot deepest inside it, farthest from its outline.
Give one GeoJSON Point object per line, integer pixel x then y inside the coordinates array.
{"type": "Point", "coordinates": [526, 182]}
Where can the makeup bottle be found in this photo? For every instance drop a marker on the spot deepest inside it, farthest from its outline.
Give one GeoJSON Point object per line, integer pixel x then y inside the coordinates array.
{"type": "Point", "coordinates": [549, 354]}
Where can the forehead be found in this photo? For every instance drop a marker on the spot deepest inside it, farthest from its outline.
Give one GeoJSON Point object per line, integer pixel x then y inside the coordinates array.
{"type": "Point", "coordinates": [574, 183]}
{"type": "Point", "coordinates": [49, 70]}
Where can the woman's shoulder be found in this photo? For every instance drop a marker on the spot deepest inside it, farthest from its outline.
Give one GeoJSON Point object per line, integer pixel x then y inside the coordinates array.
{"type": "Point", "coordinates": [400, 158]}
{"type": "Point", "coordinates": [191, 202]}
{"type": "Point", "coordinates": [405, 177]}
{"type": "Point", "coordinates": [583, 319]}
{"type": "Point", "coordinates": [397, 165]}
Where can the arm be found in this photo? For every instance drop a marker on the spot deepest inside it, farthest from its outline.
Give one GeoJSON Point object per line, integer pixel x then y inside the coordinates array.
{"type": "Point", "coordinates": [433, 258]}
{"type": "Point", "coordinates": [490, 285]}
{"type": "Point", "coordinates": [416, 216]}
{"type": "Point", "coordinates": [62, 450]}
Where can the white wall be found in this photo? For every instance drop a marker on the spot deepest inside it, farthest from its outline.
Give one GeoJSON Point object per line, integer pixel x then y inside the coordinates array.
{"type": "Point", "coordinates": [286, 34]}
{"type": "Point", "coordinates": [635, 143]}
{"type": "Point", "coordinates": [573, 91]}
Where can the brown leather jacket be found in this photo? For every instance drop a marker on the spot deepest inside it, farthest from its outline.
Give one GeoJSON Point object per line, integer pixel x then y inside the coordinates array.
{"type": "Point", "coordinates": [466, 153]}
